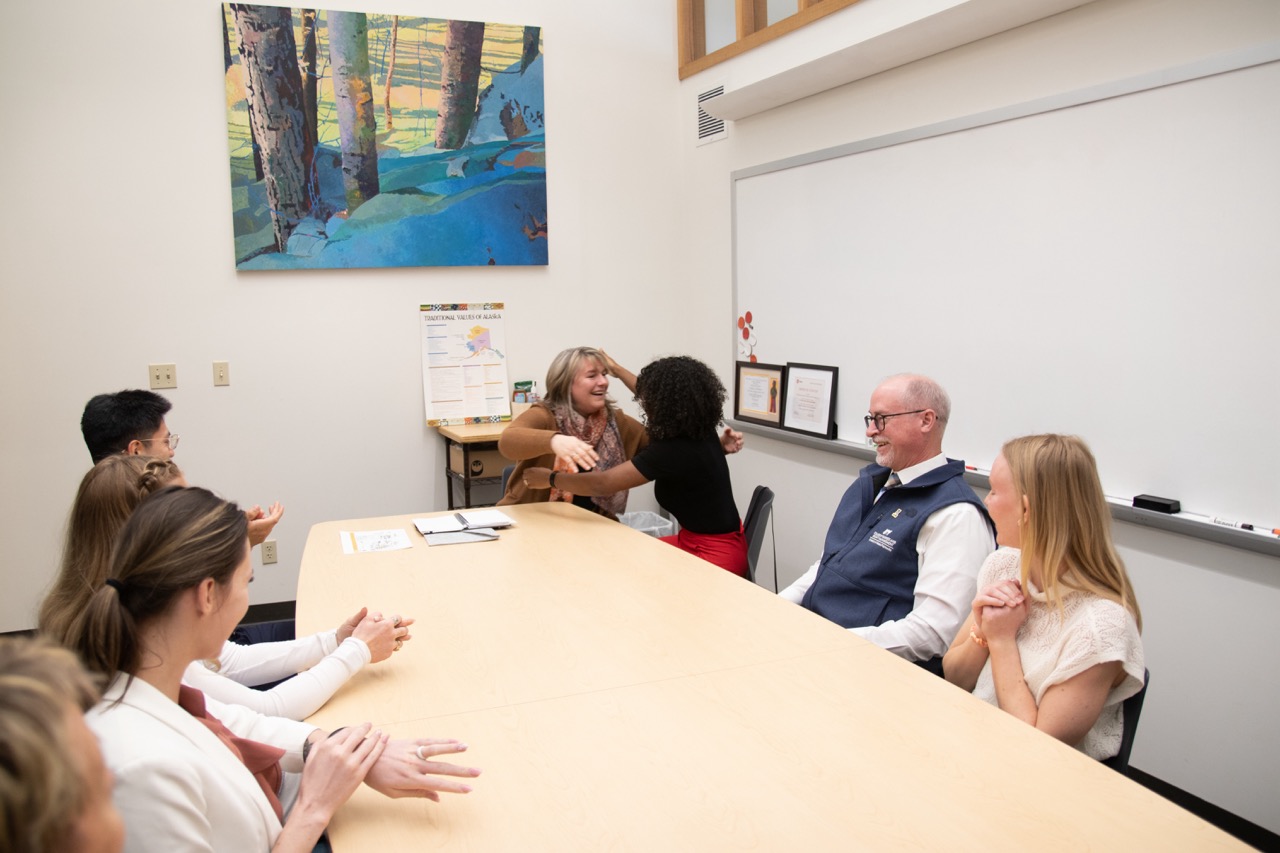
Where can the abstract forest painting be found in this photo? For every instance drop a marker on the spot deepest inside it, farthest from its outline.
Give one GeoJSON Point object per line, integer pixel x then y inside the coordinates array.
{"type": "Point", "coordinates": [363, 140]}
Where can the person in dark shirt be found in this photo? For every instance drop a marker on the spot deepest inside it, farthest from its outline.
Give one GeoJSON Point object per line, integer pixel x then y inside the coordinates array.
{"type": "Point", "coordinates": [683, 404]}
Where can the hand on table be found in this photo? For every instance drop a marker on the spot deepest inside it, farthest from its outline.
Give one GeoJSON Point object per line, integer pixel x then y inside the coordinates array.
{"type": "Point", "coordinates": [337, 765]}
{"type": "Point", "coordinates": [406, 769]}
{"type": "Point", "coordinates": [261, 522]}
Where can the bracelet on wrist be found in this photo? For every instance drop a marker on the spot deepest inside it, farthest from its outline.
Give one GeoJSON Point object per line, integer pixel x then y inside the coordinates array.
{"type": "Point", "coordinates": [551, 480]}
{"type": "Point", "coordinates": [306, 744]}
{"type": "Point", "coordinates": [976, 637]}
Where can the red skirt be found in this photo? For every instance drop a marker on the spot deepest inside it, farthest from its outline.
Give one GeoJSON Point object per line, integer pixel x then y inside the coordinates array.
{"type": "Point", "coordinates": [726, 550]}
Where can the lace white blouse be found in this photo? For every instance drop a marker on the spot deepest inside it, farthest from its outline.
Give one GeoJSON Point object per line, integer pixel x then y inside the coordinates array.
{"type": "Point", "coordinates": [1056, 646]}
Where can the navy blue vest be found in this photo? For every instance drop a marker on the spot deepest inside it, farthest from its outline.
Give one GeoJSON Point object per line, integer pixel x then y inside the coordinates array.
{"type": "Point", "coordinates": [869, 563]}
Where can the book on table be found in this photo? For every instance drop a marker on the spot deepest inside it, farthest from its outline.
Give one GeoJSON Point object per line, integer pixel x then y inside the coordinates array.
{"type": "Point", "coordinates": [471, 526]}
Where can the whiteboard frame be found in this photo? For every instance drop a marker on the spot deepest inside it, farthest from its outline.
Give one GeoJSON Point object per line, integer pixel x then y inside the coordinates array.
{"type": "Point", "coordinates": [1202, 68]}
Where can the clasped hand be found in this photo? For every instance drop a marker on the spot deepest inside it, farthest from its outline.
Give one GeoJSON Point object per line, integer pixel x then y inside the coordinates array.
{"type": "Point", "coordinates": [999, 610]}
{"type": "Point", "coordinates": [383, 635]}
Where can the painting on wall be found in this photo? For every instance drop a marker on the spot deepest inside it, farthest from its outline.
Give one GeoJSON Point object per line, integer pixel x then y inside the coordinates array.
{"type": "Point", "coordinates": [363, 140]}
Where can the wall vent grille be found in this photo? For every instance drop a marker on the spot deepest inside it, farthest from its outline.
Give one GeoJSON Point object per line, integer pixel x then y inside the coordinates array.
{"type": "Point", "coordinates": [710, 128]}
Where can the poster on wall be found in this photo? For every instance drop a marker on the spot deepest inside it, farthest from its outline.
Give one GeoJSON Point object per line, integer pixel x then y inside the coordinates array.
{"type": "Point", "coordinates": [464, 363]}
{"type": "Point", "coordinates": [380, 140]}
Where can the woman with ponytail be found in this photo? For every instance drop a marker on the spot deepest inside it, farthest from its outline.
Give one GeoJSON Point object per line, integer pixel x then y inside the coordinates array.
{"type": "Point", "coordinates": [191, 773]}
{"type": "Point", "coordinates": [108, 495]}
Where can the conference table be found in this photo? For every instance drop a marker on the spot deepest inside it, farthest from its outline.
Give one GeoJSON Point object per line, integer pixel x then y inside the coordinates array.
{"type": "Point", "coordinates": [620, 694]}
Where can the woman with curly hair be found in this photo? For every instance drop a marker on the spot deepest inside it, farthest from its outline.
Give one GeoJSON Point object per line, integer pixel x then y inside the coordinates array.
{"type": "Point", "coordinates": [683, 402]}
{"type": "Point", "coordinates": [575, 427]}
{"type": "Point", "coordinates": [578, 427]}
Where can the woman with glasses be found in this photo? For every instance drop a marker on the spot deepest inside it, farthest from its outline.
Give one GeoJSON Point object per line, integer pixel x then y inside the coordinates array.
{"type": "Point", "coordinates": [191, 773]}
{"type": "Point", "coordinates": [683, 404]}
{"type": "Point", "coordinates": [1053, 635]}
{"type": "Point", "coordinates": [319, 664]}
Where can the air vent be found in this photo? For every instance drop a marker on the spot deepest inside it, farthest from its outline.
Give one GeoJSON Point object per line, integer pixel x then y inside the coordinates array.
{"type": "Point", "coordinates": [710, 128]}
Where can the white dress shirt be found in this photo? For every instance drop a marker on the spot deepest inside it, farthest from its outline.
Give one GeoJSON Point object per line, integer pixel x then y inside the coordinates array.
{"type": "Point", "coordinates": [952, 545]}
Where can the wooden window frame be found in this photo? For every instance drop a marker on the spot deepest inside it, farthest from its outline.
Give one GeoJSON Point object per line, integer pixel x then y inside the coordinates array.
{"type": "Point", "coordinates": [753, 30]}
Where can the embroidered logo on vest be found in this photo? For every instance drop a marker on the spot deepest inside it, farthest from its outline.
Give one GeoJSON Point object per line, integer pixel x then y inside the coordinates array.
{"type": "Point", "coordinates": [882, 539]}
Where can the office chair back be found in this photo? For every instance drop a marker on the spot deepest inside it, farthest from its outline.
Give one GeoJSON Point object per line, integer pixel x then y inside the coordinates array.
{"type": "Point", "coordinates": [1132, 710]}
{"type": "Point", "coordinates": [754, 526]}
{"type": "Point", "coordinates": [506, 475]}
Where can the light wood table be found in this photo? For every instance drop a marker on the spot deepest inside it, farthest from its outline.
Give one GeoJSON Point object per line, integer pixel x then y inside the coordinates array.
{"type": "Point", "coordinates": [620, 694]}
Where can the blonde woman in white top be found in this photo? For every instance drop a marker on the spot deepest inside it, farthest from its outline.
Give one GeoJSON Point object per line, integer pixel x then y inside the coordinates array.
{"type": "Point", "coordinates": [1053, 635]}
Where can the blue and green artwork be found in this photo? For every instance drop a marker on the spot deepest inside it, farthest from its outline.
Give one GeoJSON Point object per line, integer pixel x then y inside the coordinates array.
{"type": "Point", "coordinates": [361, 140]}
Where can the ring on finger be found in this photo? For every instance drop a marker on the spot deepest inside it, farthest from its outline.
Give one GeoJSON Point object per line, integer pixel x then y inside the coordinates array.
{"type": "Point", "coordinates": [418, 751]}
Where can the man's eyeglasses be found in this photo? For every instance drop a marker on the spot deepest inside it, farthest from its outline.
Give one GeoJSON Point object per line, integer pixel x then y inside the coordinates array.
{"type": "Point", "coordinates": [879, 420]}
{"type": "Point", "coordinates": [172, 440]}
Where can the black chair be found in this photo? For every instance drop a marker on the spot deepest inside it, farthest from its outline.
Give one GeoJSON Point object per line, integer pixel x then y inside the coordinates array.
{"type": "Point", "coordinates": [754, 525]}
{"type": "Point", "coordinates": [1132, 710]}
{"type": "Point", "coordinates": [506, 475]}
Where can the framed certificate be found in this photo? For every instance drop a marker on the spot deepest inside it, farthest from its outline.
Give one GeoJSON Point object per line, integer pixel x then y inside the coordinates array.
{"type": "Point", "coordinates": [810, 399]}
{"type": "Point", "coordinates": [759, 390]}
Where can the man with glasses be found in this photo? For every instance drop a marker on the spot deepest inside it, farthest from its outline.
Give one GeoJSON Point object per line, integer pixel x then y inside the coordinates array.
{"type": "Point", "coordinates": [901, 558]}
{"type": "Point", "coordinates": [132, 422]}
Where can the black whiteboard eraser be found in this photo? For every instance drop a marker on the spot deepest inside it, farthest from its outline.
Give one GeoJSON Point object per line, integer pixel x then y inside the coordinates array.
{"type": "Point", "coordinates": [1157, 504]}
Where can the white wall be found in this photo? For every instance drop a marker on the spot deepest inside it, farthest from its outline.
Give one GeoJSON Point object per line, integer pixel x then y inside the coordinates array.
{"type": "Point", "coordinates": [116, 244]}
{"type": "Point", "coordinates": [1208, 726]}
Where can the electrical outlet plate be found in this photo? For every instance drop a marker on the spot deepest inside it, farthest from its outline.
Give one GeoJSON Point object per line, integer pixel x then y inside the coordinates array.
{"type": "Point", "coordinates": [163, 376]}
{"type": "Point", "coordinates": [269, 552]}
{"type": "Point", "coordinates": [221, 373]}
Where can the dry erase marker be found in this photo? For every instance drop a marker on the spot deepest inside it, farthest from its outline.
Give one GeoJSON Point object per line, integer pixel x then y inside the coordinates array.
{"type": "Point", "coordinates": [1226, 522]}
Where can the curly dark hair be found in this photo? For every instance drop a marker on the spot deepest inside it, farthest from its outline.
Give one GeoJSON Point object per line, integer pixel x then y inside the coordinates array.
{"type": "Point", "coordinates": [681, 398]}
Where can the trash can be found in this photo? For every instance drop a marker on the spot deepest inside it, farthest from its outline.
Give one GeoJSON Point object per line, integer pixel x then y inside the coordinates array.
{"type": "Point", "coordinates": [648, 522]}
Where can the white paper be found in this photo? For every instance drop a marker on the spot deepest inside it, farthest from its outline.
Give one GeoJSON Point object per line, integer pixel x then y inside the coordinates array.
{"type": "Point", "coordinates": [364, 541]}
{"type": "Point", "coordinates": [464, 363]}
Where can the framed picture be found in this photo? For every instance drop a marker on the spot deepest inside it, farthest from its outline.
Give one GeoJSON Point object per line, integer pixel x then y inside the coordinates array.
{"type": "Point", "coordinates": [810, 397]}
{"type": "Point", "coordinates": [759, 391]}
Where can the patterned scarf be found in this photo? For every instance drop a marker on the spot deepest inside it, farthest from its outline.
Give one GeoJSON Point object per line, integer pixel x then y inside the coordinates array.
{"type": "Point", "coordinates": [262, 760]}
{"type": "Point", "coordinates": [601, 432]}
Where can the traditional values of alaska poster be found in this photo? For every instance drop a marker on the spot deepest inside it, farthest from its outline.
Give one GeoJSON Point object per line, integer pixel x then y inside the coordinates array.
{"type": "Point", "coordinates": [464, 363]}
{"type": "Point", "coordinates": [363, 140]}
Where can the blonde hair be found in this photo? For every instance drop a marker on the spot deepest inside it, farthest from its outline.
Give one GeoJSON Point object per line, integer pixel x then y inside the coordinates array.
{"type": "Point", "coordinates": [42, 791]}
{"type": "Point", "coordinates": [563, 370]}
{"type": "Point", "coordinates": [108, 495]}
{"type": "Point", "coordinates": [1067, 530]}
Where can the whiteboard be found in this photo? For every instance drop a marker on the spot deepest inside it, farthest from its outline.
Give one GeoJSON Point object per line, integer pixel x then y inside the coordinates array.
{"type": "Point", "coordinates": [1104, 263]}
